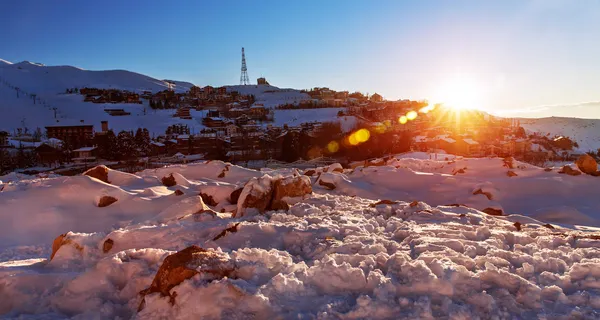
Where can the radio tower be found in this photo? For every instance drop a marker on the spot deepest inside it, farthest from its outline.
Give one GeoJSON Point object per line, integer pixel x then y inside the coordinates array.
{"type": "Point", "coordinates": [244, 80]}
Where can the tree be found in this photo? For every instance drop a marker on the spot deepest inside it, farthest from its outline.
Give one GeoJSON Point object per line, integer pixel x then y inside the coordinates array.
{"type": "Point", "coordinates": [37, 134]}
{"type": "Point", "coordinates": [142, 141]}
{"type": "Point", "coordinates": [126, 148]}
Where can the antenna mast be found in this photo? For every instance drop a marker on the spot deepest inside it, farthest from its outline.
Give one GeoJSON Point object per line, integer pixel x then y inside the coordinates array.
{"type": "Point", "coordinates": [244, 80]}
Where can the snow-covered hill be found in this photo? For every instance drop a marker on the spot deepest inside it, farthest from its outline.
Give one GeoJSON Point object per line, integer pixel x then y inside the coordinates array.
{"type": "Point", "coordinates": [585, 131]}
{"type": "Point", "coordinates": [49, 83]}
{"type": "Point", "coordinates": [334, 254]}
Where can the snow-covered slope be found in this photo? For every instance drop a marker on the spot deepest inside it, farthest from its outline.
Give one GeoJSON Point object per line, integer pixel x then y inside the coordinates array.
{"type": "Point", "coordinates": [271, 96]}
{"type": "Point", "coordinates": [335, 254]}
{"type": "Point", "coordinates": [585, 131]}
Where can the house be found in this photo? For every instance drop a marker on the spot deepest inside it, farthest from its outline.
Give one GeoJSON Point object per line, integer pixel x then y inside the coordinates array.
{"type": "Point", "coordinates": [117, 112]}
{"type": "Point", "coordinates": [85, 154]}
{"type": "Point", "coordinates": [48, 154]}
{"type": "Point", "coordinates": [75, 135]}
{"type": "Point", "coordinates": [262, 80]}
{"type": "Point", "coordinates": [213, 121]}
{"type": "Point", "coordinates": [3, 138]}
{"type": "Point", "coordinates": [231, 129]}
{"type": "Point", "coordinates": [157, 148]}
{"type": "Point", "coordinates": [221, 90]}
{"type": "Point", "coordinates": [468, 147]}
{"type": "Point", "coordinates": [376, 97]}
{"type": "Point", "coordinates": [258, 111]}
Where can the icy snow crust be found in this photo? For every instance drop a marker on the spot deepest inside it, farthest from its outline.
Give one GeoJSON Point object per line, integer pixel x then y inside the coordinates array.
{"type": "Point", "coordinates": [333, 255]}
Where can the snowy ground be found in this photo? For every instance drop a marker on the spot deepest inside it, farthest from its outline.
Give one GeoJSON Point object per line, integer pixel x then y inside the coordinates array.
{"type": "Point", "coordinates": [585, 131]}
{"type": "Point", "coordinates": [333, 255]}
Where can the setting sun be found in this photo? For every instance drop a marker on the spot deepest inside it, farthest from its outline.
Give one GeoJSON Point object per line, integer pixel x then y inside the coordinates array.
{"type": "Point", "coordinates": [460, 93]}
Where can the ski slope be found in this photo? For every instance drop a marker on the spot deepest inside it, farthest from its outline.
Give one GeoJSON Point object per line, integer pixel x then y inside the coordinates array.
{"type": "Point", "coordinates": [585, 131]}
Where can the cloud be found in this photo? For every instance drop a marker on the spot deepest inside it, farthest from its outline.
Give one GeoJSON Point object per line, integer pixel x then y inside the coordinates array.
{"type": "Point", "coordinates": [590, 110]}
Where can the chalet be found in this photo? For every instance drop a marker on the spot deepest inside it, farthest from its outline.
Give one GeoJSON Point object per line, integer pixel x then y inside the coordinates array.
{"type": "Point", "coordinates": [376, 98]}
{"type": "Point", "coordinates": [213, 122]}
{"type": "Point", "coordinates": [222, 90]}
{"type": "Point", "coordinates": [208, 90]}
{"type": "Point", "coordinates": [76, 135]}
{"type": "Point", "coordinates": [258, 111]}
{"type": "Point", "coordinates": [231, 130]}
{"type": "Point", "coordinates": [3, 138]}
{"type": "Point", "coordinates": [468, 147]}
{"type": "Point", "coordinates": [85, 154]}
{"type": "Point", "coordinates": [117, 112]}
{"type": "Point", "coordinates": [183, 113]}
{"type": "Point", "coordinates": [146, 94]}
{"type": "Point", "coordinates": [262, 81]}
{"type": "Point", "coordinates": [48, 154]}
{"type": "Point", "coordinates": [157, 148]}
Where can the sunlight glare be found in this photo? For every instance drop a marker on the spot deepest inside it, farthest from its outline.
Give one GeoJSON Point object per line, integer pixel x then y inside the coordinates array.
{"type": "Point", "coordinates": [460, 93]}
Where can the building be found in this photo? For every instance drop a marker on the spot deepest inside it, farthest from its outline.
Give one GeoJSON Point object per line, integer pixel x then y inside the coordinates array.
{"type": "Point", "coordinates": [231, 129]}
{"type": "Point", "coordinates": [85, 154]}
{"type": "Point", "coordinates": [376, 97]}
{"type": "Point", "coordinates": [48, 154]}
{"type": "Point", "coordinates": [262, 80]}
{"type": "Point", "coordinates": [117, 112]}
{"type": "Point", "coordinates": [74, 135]}
{"type": "Point", "coordinates": [3, 138]}
{"type": "Point", "coordinates": [157, 148]}
{"type": "Point", "coordinates": [468, 147]}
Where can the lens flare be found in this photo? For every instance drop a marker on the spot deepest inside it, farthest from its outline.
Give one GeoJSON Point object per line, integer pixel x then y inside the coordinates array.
{"type": "Point", "coordinates": [403, 120]}
{"type": "Point", "coordinates": [352, 139]}
{"type": "Point", "coordinates": [411, 115]}
{"type": "Point", "coordinates": [362, 135]}
{"type": "Point", "coordinates": [333, 146]}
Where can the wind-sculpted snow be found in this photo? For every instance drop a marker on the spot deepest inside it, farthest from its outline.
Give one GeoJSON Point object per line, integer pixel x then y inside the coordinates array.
{"type": "Point", "coordinates": [335, 254]}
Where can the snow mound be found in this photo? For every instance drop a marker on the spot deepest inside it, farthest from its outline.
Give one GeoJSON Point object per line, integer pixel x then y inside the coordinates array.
{"type": "Point", "coordinates": [387, 242]}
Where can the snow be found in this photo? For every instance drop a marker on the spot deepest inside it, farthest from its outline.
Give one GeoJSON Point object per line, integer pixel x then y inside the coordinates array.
{"type": "Point", "coordinates": [336, 254]}
{"type": "Point", "coordinates": [585, 131]}
{"type": "Point", "coordinates": [84, 149]}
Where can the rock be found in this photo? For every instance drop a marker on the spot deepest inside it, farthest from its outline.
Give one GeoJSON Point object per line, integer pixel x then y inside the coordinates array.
{"type": "Point", "coordinates": [492, 211]}
{"type": "Point", "coordinates": [222, 174]}
{"type": "Point", "coordinates": [231, 229]}
{"type": "Point", "coordinates": [107, 245]}
{"type": "Point", "coordinates": [235, 195]}
{"type": "Point", "coordinates": [168, 181]}
{"type": "Point", "coordinates": [309, 173]}
{"type": "Point", "coordinates": [587, 164]}
{"type": "Point", "coordinates": [292, 187]}
{"type": "Point", "coordinates": [570, 171]}
{"type": "Point", "coordinates": [106, 201]}
{"type": "Point", "coordinates": [208, 199]}
{"type": "Point", "coordinates": [279, 205]}
{"type": "Point", "coordinates": [595, 174]}
{"type": "Point", "coordinates": [414, 204]}
{"type": "Point", "coordinates": [517, 225]}
{"type": "Point", "coordinates": [63, 240]}
{"type": "Point", "coordinates": [98, 172]}
{"type": "Point", "coordinates": [257, 194]}
{"type": "Point", "coordinates": [185, 264]}
{"type": "Point", "coordinates": [388, 202]}
{"type": "Point", "coordinates": [178, 192]}
{"type": "Point", "coordinates": [461, 170]}
{"type": "Point", "coordinates": [487, 194]}
{"type": "Point", "coordinates": [327, 185]}
{"type": "Point", "coordinates": [548, 169]}
{"type": "Point", "coordinates": [511, 173]}
{"type": "Point", "coordinates": [509, 162]}
{"type": "Point", "coordinates": [549, 226]}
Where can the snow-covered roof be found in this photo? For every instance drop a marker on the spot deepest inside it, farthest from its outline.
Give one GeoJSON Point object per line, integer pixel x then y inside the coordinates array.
{"type": "Point", "coordinates": [84, 149]}
{"type": "Point", "coordinates": [183, 136]}
{"type": "Point", "coordinates": [449, 140]}
{"type": "Point", "coordinates": [420, 138]}
{"type": "Point", "coordinates": [470, 141]}
{"type": "Point", "coordinates": [157, 144]}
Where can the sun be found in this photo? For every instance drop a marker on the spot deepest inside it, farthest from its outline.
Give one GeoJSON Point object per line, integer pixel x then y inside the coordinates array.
{"type": "Point", "coordinates": [460, 93]}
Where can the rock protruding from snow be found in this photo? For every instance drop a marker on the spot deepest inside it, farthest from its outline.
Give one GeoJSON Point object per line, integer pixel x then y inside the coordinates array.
{"type": "Point", "coordinates": [511, 173]}
{"type": "Point", "coordinates": [570, 171]}
{"type": "Point", "coordinates": [257, 195]}
{"type": "Point", "coordinates": [98, 172]}
{"type": "Point", "coordinates": [106, 201]}
{"type": "Point", "coordinates": [107, 245]}
{"type": "Point", "coordinates": [587, 164]}
{"type": "Point", "coordinates": [63, 240]}
{"type": "Point", "coordinates": [168, 181]}
{"type": "Point", "coordinates": [291, 187]}
{"type": "Point", "coordinates": [235, 195]}
{"type": "Point", "coordinates": [185, 264]}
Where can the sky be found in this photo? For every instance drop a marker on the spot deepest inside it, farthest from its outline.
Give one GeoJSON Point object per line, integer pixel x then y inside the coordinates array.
{"type": "Point", "coordinates": [510, 57]}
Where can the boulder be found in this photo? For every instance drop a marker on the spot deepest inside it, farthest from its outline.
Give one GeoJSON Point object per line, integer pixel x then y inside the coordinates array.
{"type": "Point", "coordinates": [106, 201]}
{"type": "Point", "coordinates": [570, 171]}
{"type": "Point", "coordinates": [487, 194]}
{"type": "Point", "coordinates": [168, 181]}
{"type": "Point", "coordinates": [292, 186]}
{"type": "Point", "coordinates": [257, 194]}
{"type": "Point", "coordinates": [414, 204]}
{"type": "Point", "coordinates": [511, 173]}
{"type": "Point", "coordinates": [222, 174]}
{"type": "Point", "coordinates": [517, 225]}
{"type": "Point", "coordinates": [223, 233]}
{"type": "Point", "coordinates": [548, 169]}
{"type": "Point", "coordinates": [279, 205]}
{"type": "Point", "coordinates": [461, 170]}
{"type": "Point", "coordinates": [107, 245]}
{"type": "Point", "coordinates": [208, 199]}
{"type": "Point", "coordinates": [587, 164]}
{"type": "Point", "coordinates": [492, 211]}
{"type": "Point", "coordinates": [235, 195]}
{"type": "Point", "coordinates": [178, 192]}
{"type": "Point", "coordinates": [327, 185]}
{"type": "Point", "coordinates": [388, 202]}
{"type": "Point", "coordinates": [309, 173]}
{"type": "Point", "coordinates": [63, 240]}
{"type": "Point", "coordinates": [185, 264]}
{"type": "Point", "coordinates": [98, 172]}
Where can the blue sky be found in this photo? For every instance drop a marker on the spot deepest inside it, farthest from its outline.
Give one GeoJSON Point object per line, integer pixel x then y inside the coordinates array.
{"type": "Point", "coordinates": [511, 57]}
